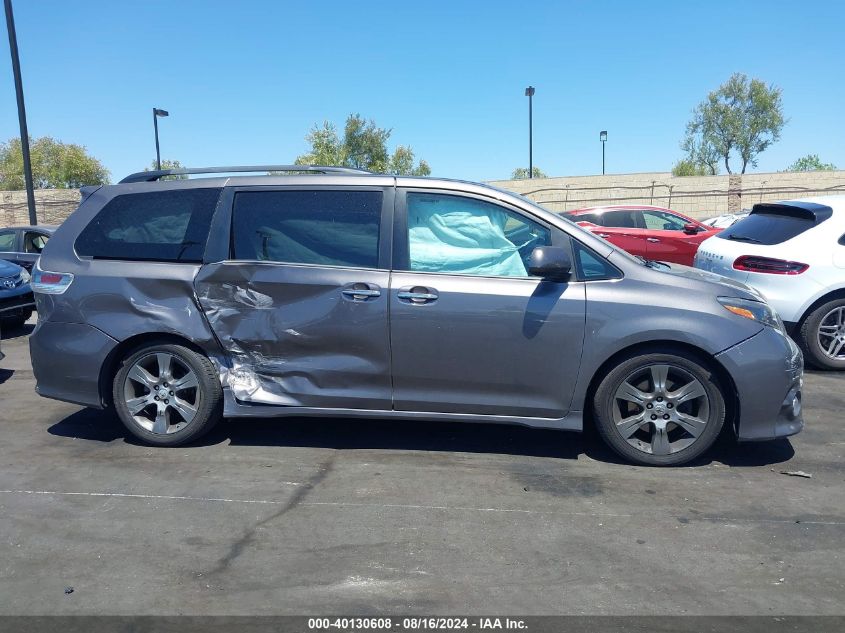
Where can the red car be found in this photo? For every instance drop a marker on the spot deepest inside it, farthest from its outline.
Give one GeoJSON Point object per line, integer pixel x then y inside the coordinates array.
{"type": "Point", "coordinates": [651, 232]}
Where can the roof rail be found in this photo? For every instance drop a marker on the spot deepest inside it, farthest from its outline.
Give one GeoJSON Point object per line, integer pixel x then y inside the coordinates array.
{"type": "Point", "coordinates": [157, 174]}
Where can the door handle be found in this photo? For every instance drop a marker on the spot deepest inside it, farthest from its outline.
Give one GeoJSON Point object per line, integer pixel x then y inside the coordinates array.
{"type": "Point", "coordinates": [604, 235]}
{"type": "Point", "coordinates": [651, 239]}
{"type": "Point", "coordinates": [362, 293]}
{"type": "Point", "coordinates": [417, 295]}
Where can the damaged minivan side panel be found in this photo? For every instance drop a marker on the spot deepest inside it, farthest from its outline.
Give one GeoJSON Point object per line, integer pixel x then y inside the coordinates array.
{"type": "Point", "coordinates": [300, 304]}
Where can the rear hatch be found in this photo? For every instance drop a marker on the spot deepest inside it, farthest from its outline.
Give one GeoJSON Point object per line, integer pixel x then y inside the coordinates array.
{"type": "Point", "coordinates": [762, 233]}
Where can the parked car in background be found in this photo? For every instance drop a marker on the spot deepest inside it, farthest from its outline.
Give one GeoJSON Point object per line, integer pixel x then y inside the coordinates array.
{"type": "Point", "coordinates": [793, 252]}
{"type": "Point", "coordinates": [649, 232]}
{"type": "Point", "coordinates": [22, 245]}
{"type": "Point", "coordinates": [725, 220]}
{"type": "Point", "coordinates": [16, 300]}
{"type": "Point", "coordinates": [179, 302]}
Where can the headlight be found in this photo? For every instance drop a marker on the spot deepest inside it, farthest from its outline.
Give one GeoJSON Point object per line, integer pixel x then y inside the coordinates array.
{"type": "Point", "coordinates": [754, 310]}
{"type": "Point", "coordinates": [25, 276]}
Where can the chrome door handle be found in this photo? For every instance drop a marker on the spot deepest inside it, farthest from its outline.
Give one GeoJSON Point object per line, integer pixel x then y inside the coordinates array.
{"type": "Point", "coordinates": [604, 235]}
{"type": "Point", "coordinates": [424, 296]}
{"type": "Point", "coordinates": [361, 294]}
{"type": "Point", "coordinates": [651, 239]}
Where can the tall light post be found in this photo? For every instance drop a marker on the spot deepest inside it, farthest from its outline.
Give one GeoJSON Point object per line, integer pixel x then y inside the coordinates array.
{"type": "Point", "coordinates": [603, 139]}
{"type": "Point", "coordinates": [157, 113]}
{"type": "Point", "coordinates": [16, 71]}
{"type": "Point", "coordinates": [529, 92]}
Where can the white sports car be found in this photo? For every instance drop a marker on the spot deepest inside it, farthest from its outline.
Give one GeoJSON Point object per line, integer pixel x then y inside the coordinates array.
{"type": "Point", "coordinates": [793, 252]}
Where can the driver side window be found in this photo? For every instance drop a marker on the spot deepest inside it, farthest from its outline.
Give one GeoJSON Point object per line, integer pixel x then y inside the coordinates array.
{"type": "Point", "coordinates": [660, 221]}
{"type": "Point", "coordinates": [465, 236]}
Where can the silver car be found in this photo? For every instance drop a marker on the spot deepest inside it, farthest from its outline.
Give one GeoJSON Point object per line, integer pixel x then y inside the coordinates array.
{"type": "Point", "coordinates": [176, 303]}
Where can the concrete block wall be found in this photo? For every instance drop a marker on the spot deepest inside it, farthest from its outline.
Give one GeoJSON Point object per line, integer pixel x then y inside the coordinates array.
{"type": "Point", "coordinates": [52, 206]}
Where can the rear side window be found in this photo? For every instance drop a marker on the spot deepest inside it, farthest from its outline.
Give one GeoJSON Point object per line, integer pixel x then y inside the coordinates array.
{"type": "Point", "coordinates": [622, 219]}
{"type": "Point", "coordinates": [322, 227]}
{"type": "Point", "coordinates": [767, 228]}
{"type": "Point", "coordinates": [166, 226]}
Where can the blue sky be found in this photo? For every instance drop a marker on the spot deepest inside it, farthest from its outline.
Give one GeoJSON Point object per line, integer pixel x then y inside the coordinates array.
{"type": "Point", "coordinates": [245, 81]}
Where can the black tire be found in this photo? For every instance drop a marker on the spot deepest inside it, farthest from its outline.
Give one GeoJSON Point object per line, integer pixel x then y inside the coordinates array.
{"type": "Point", "coordinates": [808, 337]}
{"type": "Point", "coordinates": [680, 363]}
{"type": "Point", "coordinates": [207, 396]}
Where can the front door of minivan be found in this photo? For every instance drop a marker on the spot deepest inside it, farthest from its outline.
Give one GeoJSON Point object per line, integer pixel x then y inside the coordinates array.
{"type": "Point", "coordinates": [300, 303]}
{"type": "Point", "coordinates": [471, 331]}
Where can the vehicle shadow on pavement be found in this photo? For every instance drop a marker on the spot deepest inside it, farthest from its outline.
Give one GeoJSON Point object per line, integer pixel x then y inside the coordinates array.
{"type": "Point", "coordinates": [453, 437]}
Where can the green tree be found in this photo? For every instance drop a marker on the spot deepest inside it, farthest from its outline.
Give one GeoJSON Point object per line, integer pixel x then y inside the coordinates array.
{"type": "Point", "coordinates": [521, 173]}
{"type": "Point", "coordinates": [687, 167]}
{"type": "Point", "coordinates": [168, 164]}
{"type": "Point", "coordinates": [741, 118]}
{"type": "Point", "coordinates": [363, 146]}
{"type": "Point", "coordinates": [810, 162]}
{"type": "Point", "coordinates": [55, 165]}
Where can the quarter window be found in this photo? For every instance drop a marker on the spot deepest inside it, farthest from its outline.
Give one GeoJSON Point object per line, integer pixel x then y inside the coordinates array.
{"type": "Point", "coordinates": [166, 226]}
{"type": "Point", "coordinates": [453, 234]}
{"type": "Point", "coordinates": [322, 227]}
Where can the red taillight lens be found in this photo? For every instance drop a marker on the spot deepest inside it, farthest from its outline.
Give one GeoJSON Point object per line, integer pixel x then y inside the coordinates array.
{"type": "Point", "coordinates": [755, 264]}
{"type": "Point", "coordinates": [50, 278]}
{"type": "Point", "coordinates": [50, 283]}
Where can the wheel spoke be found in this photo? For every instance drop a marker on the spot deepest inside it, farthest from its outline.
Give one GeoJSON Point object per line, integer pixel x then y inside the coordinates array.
{"type": "Point", "coordinates": [628, 426]}
{"type": "Point", "coordinates": [660, 441]}
{"type": "Point", "coordinates": [629, 392]}
{"type": "Point", "coordinates": [183, 408]}
{"type": "Point", "coordinates": [188, 381]}
{"type": "Point", "coordinates": [828, 328]}
{"type": "Point", "coordinates": [160, 424]}
{"type": "Point", "coordinates": [835, 347]}
{"type": "Point", "coordinates": [136, 404]}
{"type": "Point", "coordinates": [659, 376]}
{"type": "Point", "coordinates": [164, 371]}
{"type": "Point", "coordinates": [141, 375]}
{"type": "Point", "coordinates": [689, 391]}
{"type": "Point", "coordinates": [691, 424]}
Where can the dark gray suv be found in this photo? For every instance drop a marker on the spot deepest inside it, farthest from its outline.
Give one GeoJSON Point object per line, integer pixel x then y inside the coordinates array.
{"type": "Point", "coordinates": [339, 293]}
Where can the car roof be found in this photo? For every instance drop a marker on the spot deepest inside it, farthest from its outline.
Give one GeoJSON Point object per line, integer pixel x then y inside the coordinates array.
{"type": "Point", "coordinates": [46, 228]}
{"type": "Point", "coordinates": [620, 207]}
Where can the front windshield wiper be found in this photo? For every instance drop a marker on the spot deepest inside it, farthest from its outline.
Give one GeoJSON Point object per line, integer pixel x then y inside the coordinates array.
{"type": "Point", "coordinates": [651, 263]}
{"type": "Point", "coordinates": [744, 238]}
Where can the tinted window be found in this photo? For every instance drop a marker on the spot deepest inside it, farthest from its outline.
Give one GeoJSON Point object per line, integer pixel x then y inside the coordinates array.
{"type": "Point", "coordinates": [34, 242]}
{"type": "Point", "coordinates": [766, 228]}
{"type": "Point", "coordinates": [591, 266]}
{"type": "Point", "coordinates": [7, 240]}
{"type": "Point", "coordinates": [169, 226]}
{"type": "Point", "coordinates": [453, 234]}
{"type": "Point", "coordinates": [621, 219]}
{"type": "Point", "coordinates": [661, 221]}
{"type": "Point", "coordinates": [330, 228]}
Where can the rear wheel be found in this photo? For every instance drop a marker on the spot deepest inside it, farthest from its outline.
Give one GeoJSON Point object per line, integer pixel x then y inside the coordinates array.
{"type": "Point", "coordinates": [167, 394]}
{"type": "Point", "coordinates": [822, 335]}
{"type": "Point", "coordinates": [659, 409]}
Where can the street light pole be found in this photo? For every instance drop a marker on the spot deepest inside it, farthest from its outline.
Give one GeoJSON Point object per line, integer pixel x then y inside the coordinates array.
{"type": "Point", "coordinates": [16, 71]}
{"type": "Point", "coordinates": [529, 92]}
{"type": "Point", "coordinates": [157, 113]}
{"type": "Point", "coordinates": [603, 139]}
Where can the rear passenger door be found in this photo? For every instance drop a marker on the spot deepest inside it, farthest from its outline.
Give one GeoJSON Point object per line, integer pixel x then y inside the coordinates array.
{"type": "Point", "coordinates": [624, 228]}
{"type": "Point", "coordinates": [300, 299]}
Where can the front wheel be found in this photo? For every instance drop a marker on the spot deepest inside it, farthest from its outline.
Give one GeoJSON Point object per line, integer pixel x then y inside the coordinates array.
{"type": "Point", "coordinates": [167, 395]}
{"type": "Point", "coordinates": [659, 409]}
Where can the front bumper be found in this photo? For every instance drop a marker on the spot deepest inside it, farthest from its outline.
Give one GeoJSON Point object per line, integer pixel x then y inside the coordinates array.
{"type": "Point", "coordinates": [767, 370]}
{"type": "Point", "coordinates": [16, 303]}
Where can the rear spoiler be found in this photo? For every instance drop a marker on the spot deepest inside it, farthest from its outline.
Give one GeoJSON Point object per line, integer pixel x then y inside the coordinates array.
{"type": "Point", "coordinates": [86, 191]}
{"type": "Point", "coordinates": [811, 211]}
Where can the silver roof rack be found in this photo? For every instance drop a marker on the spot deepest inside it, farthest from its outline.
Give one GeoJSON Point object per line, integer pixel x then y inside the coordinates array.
{"type": "Point", "coordinates": [157, 174]}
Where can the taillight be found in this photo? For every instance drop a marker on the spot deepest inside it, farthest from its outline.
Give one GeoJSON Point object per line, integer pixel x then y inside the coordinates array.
{"type": "Point", "coordinates": [755, 264]}
{"type": "Point", "coordinates": [50, 283]}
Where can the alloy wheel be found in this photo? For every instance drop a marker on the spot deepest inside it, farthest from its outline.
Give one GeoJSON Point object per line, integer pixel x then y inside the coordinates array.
{"type": "Point", "coordinates": [161, 393]}
{"type": "Point", "coordinates": [831, 334]}
{"type": "Point", "coordinates": [661, 409]}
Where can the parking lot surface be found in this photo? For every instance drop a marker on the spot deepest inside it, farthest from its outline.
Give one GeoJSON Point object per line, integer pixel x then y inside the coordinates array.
{"type": "Point", "coordinates": [309, 516]}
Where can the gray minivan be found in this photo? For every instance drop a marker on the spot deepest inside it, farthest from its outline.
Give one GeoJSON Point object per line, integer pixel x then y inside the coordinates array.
{"type": "Point", "coordinates": [341, 293]}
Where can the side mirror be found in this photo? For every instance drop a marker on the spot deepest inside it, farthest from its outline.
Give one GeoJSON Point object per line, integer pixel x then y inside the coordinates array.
{"type": "Point", "coordinates": [690, 228]}
{"type": "Point", "coordinates": [550, 262]}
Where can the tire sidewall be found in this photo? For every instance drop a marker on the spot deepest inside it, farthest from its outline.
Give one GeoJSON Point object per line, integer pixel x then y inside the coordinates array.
{"type": "Point", "coordinates": [604, 401]}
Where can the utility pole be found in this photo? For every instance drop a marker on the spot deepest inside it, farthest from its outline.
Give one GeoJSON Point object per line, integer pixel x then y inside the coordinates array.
{"type": "Point", "coordinates": [16, 70]}
{"type": "Point", "coordinates": [529, 92]}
